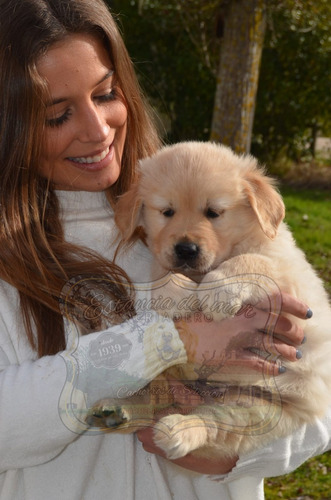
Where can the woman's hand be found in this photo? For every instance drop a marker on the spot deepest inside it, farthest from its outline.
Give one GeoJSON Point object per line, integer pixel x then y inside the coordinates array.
{"type": "Point", "coordinates": [190, 462]}
{"type": "Point", "coordinates": [257, 338]}
{"type": "Point", "coordinates": [255, 335]}
{"type": "Point", "coordinates": [183, 396]}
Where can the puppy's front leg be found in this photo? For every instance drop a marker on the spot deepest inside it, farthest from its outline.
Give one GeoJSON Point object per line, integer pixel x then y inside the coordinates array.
{"type": "Point", "coordinates": [134, 412]}
{"type": "Point", "coordinates": [177, 435]}
{"type": "Point", "coordinates": [174, 296]}
{"type": "Point", "coordinates": [236, 423]}
{"type": "Point", "coordinates": [239, 281]}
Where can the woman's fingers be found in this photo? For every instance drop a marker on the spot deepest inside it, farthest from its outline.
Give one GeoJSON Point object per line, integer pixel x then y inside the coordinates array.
{"type": "Point", "coordinates": [266, 344]}
{"type": "Point", "coordinates": [286, 351]}
{"type": "Point", "coordinates": [256, 351]}
{"type": "Point", "coordinates": [285, 303]}
{"type": "Point", "coordinates": [295, 307]}
{"type": "Point", "coordinates": [145, 436]}
{"type": "Point", "coordinates": [257, 337]}
{"type": "Point", "coordinates": [190, 462]}
{"type": "Point", "coordinates": [288, 328]}
{"type": "Point", "coordinates": [261, 363]}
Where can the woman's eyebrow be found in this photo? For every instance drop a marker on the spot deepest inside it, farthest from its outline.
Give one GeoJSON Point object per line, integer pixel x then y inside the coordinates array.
{"type": "Point", "coordinates": [107, 75]}
{"type": "Point", "coordinates": [63, 99]}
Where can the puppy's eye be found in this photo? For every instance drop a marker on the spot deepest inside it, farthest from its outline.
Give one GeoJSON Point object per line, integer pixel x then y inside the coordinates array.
{"type": "Point", "coordinates": [213, 214]}
{"type": "Point", "coordinates": [169, 212]}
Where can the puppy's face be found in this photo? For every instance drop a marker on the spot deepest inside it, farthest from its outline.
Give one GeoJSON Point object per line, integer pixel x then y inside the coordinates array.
{"type": "Point", "coordinates": [194, 202]}
{"type": "Point", "coordinates": [190, 222]}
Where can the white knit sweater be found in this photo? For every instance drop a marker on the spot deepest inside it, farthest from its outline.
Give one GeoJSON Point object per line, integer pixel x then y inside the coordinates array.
{"type": "Point", "coordinates": [45, 450]}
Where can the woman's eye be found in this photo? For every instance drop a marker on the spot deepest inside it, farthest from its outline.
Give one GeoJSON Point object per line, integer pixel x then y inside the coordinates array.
{"type": "Point", "coordinates": [111, 96]}
{"type": "Point", "coordinates": [168, 213]}
{"type": "Point", "coordinates": [60, 120]}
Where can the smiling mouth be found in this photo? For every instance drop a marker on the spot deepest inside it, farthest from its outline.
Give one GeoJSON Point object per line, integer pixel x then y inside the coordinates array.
{"type": "Point", "coordinates": [90, 159]}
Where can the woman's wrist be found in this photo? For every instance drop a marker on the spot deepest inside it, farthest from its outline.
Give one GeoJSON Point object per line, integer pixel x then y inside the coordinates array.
{"type": "Point", "coordinates": [207, 466]}
{"type": "Point", "coordinates": [190, 462]}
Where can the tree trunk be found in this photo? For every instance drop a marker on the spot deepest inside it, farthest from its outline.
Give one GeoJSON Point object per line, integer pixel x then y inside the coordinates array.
{"type": "Point", "coordinates": [237, 78]}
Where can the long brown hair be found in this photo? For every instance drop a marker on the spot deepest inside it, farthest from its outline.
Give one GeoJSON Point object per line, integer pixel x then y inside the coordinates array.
{"type": "Point", "coordinates": [34, 257]}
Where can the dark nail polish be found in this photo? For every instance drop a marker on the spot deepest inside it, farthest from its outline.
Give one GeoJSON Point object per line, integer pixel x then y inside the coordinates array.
{"type": "Point", "coordinates": [304, 340]}
{"type": "Point", "coordinates": [281, 369]}
{"type": "Point", "coordinates": [298, 354]}
{"type": "Point", "coordinates": [309, 313]}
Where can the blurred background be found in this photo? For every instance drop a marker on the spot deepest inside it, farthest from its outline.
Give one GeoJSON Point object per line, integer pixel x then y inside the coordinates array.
{"type": "Point", "coordinates": [252, 74]}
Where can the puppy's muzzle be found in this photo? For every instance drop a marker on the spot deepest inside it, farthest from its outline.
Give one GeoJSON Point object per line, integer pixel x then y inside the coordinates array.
{"type": "Point", "coordinates": [186, 252]}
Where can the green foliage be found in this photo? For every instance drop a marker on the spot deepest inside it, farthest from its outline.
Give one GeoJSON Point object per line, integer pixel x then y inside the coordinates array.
{"type": "Point", "coordinates": [310, 481]}
{"type": "Point", "coordinates": [308, 215]}
{"type": "Point", "coordinates": [294, 98]}
{"type": "Point", "coordinates": [176, 46]}
{"type": "Point", "coordinates": [174, 68]}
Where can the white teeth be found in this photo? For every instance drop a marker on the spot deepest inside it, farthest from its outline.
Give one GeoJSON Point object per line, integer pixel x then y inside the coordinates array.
{"type": "Point", "coordinates": [91, 159]}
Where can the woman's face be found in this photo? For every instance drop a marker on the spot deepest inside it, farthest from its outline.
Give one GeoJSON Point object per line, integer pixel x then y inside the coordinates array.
{"type": "Point", "coordinates": [86, 118]}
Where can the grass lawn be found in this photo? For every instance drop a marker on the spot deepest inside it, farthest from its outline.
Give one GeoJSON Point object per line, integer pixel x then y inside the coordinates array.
{"type": "Point", "coordinates": [308, 213]}
{"type": "Point", "coordinates": [310, 481]}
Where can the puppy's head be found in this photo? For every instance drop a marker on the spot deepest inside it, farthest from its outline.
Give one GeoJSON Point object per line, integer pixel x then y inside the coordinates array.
{"type": "Point", "coordinates": [199, 204]}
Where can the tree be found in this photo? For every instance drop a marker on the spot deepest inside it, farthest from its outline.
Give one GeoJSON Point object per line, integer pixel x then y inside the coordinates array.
{"type": "Point", "coordinates": [237, 78]}
{"type": "Point", "coordinates": [294, 99]}
{"type": "Point", "coordinates": [175, 50]}
{"type": "Point", "coordinates": [176, 46]}
{"type": "Point", "coordinates": [181, 40]}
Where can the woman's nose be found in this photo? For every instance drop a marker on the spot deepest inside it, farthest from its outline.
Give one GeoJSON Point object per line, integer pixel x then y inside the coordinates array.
{"type": "Point", "coordinates": [93, 125]}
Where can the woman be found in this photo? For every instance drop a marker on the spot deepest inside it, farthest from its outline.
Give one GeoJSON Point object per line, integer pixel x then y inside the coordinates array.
{"type": "Point", "coordinates": [72, 127]}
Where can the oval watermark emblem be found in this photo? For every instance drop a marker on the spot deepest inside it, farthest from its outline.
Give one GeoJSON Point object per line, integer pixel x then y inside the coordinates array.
{"type": "Point", "coordinates": [109, 350]}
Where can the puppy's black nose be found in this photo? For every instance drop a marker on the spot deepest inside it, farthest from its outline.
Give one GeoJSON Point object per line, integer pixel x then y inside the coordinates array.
{"type": "Point", "coordinates": [187, 251]}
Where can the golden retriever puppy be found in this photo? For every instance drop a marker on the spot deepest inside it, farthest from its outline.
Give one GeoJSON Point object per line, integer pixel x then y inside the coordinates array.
{"type": "Point", "coordinates": [210, 216]}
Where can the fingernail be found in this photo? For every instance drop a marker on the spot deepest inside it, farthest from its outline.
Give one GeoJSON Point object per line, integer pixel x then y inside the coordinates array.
{"type": "Point", "coordinates": [298, 354]}
{"type": "Point", "coordinates": [281, 369]}
{"type": "Point", "coordinates": [304, 340]}
{"type": "Point", "coordinates": [309, 313]}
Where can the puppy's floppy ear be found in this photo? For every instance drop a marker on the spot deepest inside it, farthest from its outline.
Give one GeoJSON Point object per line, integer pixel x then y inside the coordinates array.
{"type": "Point", "coordinates": [128, 213]}
{"type": "Point", "coordinates": [265, 201]}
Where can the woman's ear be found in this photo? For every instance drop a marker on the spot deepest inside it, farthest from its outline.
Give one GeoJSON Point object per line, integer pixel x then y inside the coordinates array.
{"type": "Point", "coordinates": [128, 213]}
{"type": "Point", "coordinates": [266, 202]}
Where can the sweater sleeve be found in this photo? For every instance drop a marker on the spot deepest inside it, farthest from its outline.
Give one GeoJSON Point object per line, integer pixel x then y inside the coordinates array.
{"type": "Point", "coordinates": [42, 400]}
{"type": "Point", "coordinates": [287, 454]}
{"type": "Point", "coordinates": [116, 363]}
{"type": "Point", "coordinates": [284, 455]}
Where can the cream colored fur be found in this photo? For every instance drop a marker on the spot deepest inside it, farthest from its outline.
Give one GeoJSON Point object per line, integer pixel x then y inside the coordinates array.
{"type": "Point", "coordinates": [224, 203]}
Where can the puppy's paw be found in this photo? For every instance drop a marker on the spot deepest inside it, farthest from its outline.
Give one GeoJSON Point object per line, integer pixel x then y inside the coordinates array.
{"type": "Point", "coordinates": [177, 435]}
{"type": "Point", "coordinates": [221, 304]}
{"type": "Point", "coordinates": [107, 416]}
